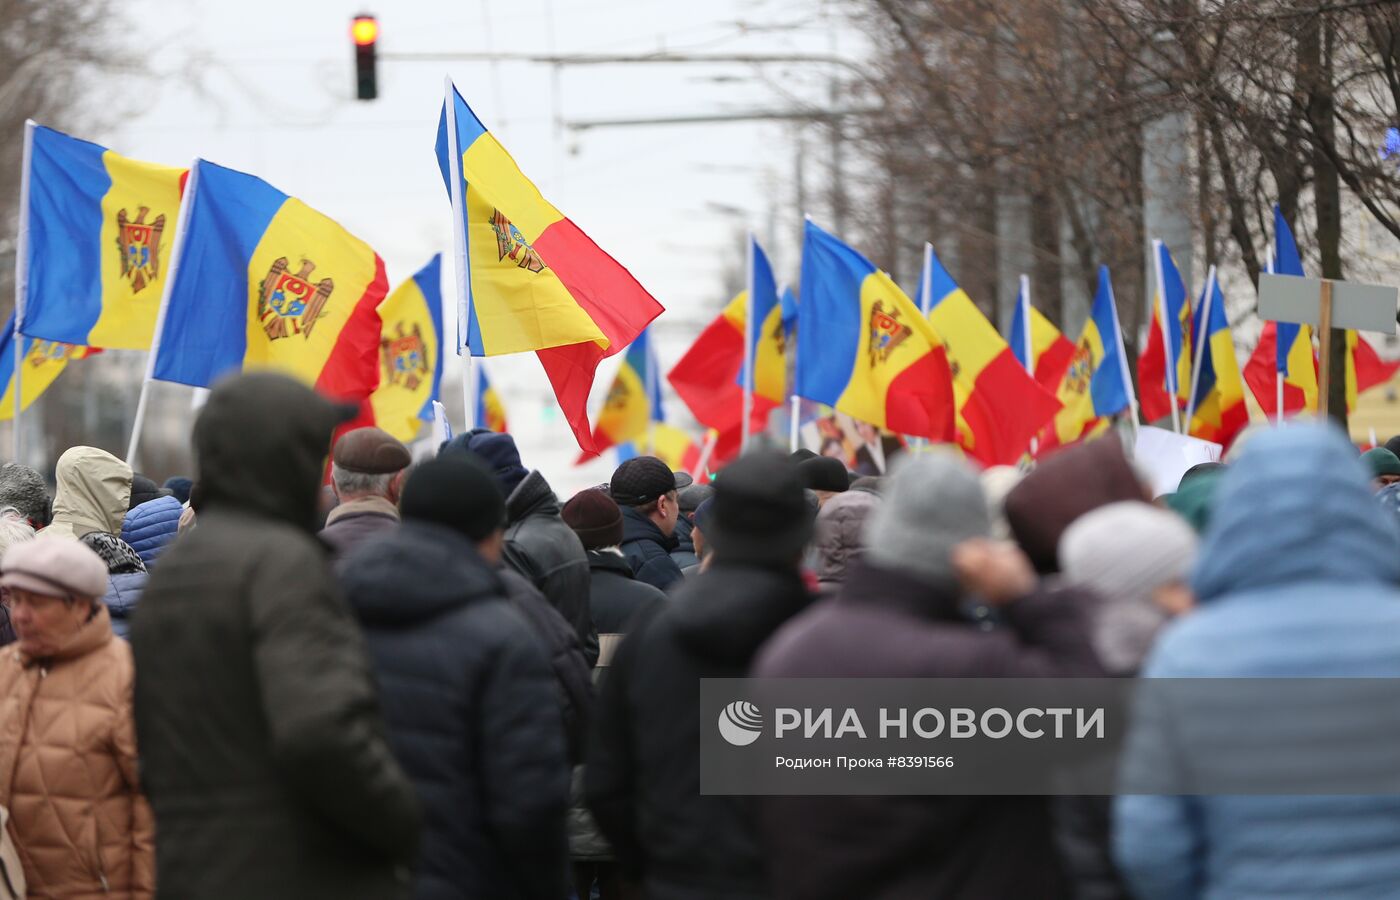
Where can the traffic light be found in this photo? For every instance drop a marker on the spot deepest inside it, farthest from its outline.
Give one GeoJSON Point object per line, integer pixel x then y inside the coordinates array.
{"type": "Point", "coordinates": [364, 30]}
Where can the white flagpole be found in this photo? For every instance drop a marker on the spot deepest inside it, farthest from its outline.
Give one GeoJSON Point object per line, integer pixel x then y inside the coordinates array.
{"type": "Point", "coordinates": [459, 246]}
{"type": "Point", "coordinates": [794, 401]}
{"type": "Point", "coordinates": [21, 280]}
{"type": "Point", "coordinates": [748, 347]}
{"type": "Point", "coordinates": [1123, 358]}
{"type": "Point", "coordinates": [1028, 343]}
{"type": "Point", "coordinates": [711, 437]}
{"type": "Point", "coordinates": [926, 300]}
{"type": "Point", "coordinates": [176, 253]}
{"type": "Point", "coordinates": [1200, 338]}
{"type": "Point", "coordinates": [1168, 365]}
{"type": "Point", "coordinates": [1278, 375]}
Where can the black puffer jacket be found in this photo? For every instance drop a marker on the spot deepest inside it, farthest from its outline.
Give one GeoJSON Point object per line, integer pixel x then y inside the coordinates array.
{"type": "Point", "coordinates": [617, 597]}
{"type": "Point", "coordinates": [648, 550]}
{"type": "Point", "coordinates": [470, 704]}
{"type": "Point", "coordinates": [547, 552]}
{"type": "Point", "coordinates": [684, 553]}
{"type": "Point", "coordinates": [642, 781]}
{"type": "Point", "coordinates": [573, 680]}
{"type": "Point", "coordinates": [263, 752]}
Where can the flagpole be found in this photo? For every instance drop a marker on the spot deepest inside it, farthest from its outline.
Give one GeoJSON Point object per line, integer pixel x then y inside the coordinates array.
{"type": "Point", "coordinates": [176, 253]}
{"type": "Point", "coordinates": [1123, 359]}
{"type": "Point", "coordinates": [748, 347]}
{"type": "Point", "coordinates": [711, 438]}
{"type": "Point", "coordinates": [1278, 373]}
{"type": "Point", "coordinates": [794, 401]}
{"type": "Point", "coordinates": [1168, 365]}
{"type": "Point", "coordinates": [459, 247]}
{"type": "Point", "coordinates": [926, 300]}
{"type": "Point", "coordinates": [1200, 340]}
{"type": "Point", "coordinates": [21, 280]}
{"type": "Point", "coordinates": [1029, 344]}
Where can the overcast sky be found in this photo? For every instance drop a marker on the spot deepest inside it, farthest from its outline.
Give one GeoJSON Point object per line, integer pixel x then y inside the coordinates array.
{"type": "Point", "coordinates": [267, 87]}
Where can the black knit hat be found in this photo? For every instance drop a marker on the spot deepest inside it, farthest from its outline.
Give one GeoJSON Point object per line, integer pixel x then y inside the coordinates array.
{"type": "Point", "coordinates": [758, 514]}
{"type": "Point", "coordinates": [595, 518]}
{"type": "Point", "coordinates": [640, 480]}
{"type": "Point", "coordinates": [458, 491]}
{"type": "Point", "coordinates": [824, 473]}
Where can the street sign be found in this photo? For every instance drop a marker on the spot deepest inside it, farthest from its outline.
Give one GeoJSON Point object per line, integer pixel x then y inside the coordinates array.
{"type": "Point", "coordinates": [1359, 307]}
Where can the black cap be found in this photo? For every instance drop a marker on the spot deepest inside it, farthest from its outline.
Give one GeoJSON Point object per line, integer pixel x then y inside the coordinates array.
{"type": "Point", "coordinates": [824, 473]}
{"type": "Point", "coordinates": [759, 513]}
{"type": "Point", "coordinates": [641, 480]}
{"type": "Point", "coordinates": [458, 491]}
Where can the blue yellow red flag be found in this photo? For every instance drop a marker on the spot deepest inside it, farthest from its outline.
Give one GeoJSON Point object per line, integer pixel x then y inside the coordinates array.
{"type": "Point", "coordinates": [1219, 411]}
{"type": "Point", "coordinates": [709, 377]}
{"type": "Point", "coordinates": [1000, 406]}
{"type": "Point", "coordinates": [410, 353]}
{"type": "Point", "coordinates": [96, 233]}
{"type": "Point", "coordinates": [43, 361]}
{"type": "Point", "coordinates": [263, 281]}
{"type": "Point", "coordinates": [1096, 383]}
{"type": "Point", "coordinates": [490, 409]}
{"type": "Point", "coordinates": [1045, 352]}
{"type": "Point", "coordinates": [865, 349]}
{"type": "Point", "coordinates": [527, 277]}
{"type": "Point", "coordinates": [789, 304]}
{"type": "Point", "coordinates": [1157, 381]}
{"type": "Point", "coordinates": [634, 399]}
{"type": "Point", "coordinates": [767, 340]}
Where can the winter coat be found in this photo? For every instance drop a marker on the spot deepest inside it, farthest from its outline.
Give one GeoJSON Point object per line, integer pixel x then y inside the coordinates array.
{"type": "Point", "coordinates": [68, 769]}
{"type": "Point", "coordinates": [548, 553]}
{"type": "Point", "coordinates": [887, 624]}
{"type": "Point", "coordinates": [617, 597]}
{"type": "Point", "coordinates": [123, 593]}
{"type": "Point", "coordinates": [642, 781]}
{"type": "Point", "coordinates": [470, 703]}
{"type": "Point", "coordinates": [648, 550]}
{"type": "Point", "coordinates": [840, 539]}
{"type": "Point", "coordinates": [354, 522]}
{"type": "Point", "coordinates": [684, 554]}
{"type": "Point", "coordinates": [264, 754]}
{"type": "Point", "coordinates": [1297, 578]}
{"type": "Point", "coordinates": [92, 493]}
{"type": "Point", "coordinates": [574, 686]}
{"type": "Point", "coordinates": [150, 527]}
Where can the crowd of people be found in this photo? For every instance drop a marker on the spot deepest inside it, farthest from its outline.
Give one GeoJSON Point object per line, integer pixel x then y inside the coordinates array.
{"type": "Point", "coordinates": [435, 680]}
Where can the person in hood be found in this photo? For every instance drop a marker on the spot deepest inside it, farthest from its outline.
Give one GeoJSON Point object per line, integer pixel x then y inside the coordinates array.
{"type": "Point", "coordinates": [1312, 595]}
{"type": "Point", "coordinates": [93, 493]}
{"type": "Point", "coordinates": [689, 496]}
{"type": "Point", "coordinates": [263, 750]}
{"type": "Point", "coordinates": [644, 488]}
{"type": "Point", "coordinates": [151, 526]}
{"type": "Point", "coordinates": [1384, 466]}
{"type": "Point", "coordinates": [840, 541]}
{"type": "Point", "coordinates": [24, 489]}
{"type": "Point", "coordinates": [367, 470]}
{"type": "Point", "coordinates": [900, 614]}
{"type": "Point", "coordinates": [1064, 487]}
{"type": "Point", "coordinates": [642, 781]}
{"type": "Point", "coordinates": [68, 746]}
{"type": "Point", "coordinates": [467, 691]}
{"type": "Point", "coordinates": [126, 577]}
{"type": "Point", "coordinates": [538, 544]}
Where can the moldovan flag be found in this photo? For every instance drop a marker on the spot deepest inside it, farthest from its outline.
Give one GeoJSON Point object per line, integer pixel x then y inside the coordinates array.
{"type": "Point", "coordinates": [263, 281]}
{"type": "Point", "coordinates": [1000, 406]}
{"type": "Point", "coordinates": [1156, 381]}
{"type": "Point", "coordinates": [96, 234]}
{"type": "Point", "coordinates": [43, 362]}
{"type": "Point", "coordinates": [768, 340]}
{"type": "Point", "coordinates": [634, 400]}
{"type": "Point", "coordinates": [1096, 383]}
{"type": "Point", "coordinates": [528, 278]}
{"type": "Point", "coordinates": [410, 354]}
{"type": "Point", "coordinates": [1047, 352]}
{"type": "Point", "coordinates": [668, 444]}
{"type": "Point", "coordinates": [490, 409]}
{"type": "Point", "coordinates": [1285, 349]}
{"type": "Point", "coordinates": [863, 347]}
{"type": "Point", "coordinates": [1365, 369]}
{"type": "Point", "coordinates": [1219, 412]}
{"type": "Point", "coordinates": [709, 376]}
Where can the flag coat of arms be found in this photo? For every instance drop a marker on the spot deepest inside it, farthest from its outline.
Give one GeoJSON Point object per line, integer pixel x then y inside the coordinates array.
{"type": "Point", "coordinates": [1096, 383]}
{"type": "Point", "coordinates": [97, 231]}
{"type": "Point", "coordinates": [767, 338]}
{"type": "Point", "coordinates": [527, 277]}
{"type": "Point", "coordinates": [263, 281]}
{"type": "Point", "coordinates": [43, 361]}
{"type": "Point", "coordinates": [863, 346]}
{"type": "Point", "coordinates": [410, 354]}
{"type": "Point", "coordinates": [1158, 382]}
{"type": "Point", "coordinates": [1047, 352]}
{"type": "Point", "coordinates": [1000, 406]}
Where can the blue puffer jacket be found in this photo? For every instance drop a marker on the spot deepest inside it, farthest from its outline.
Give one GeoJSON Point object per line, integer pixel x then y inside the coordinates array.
{"type": "Point", "coordinates": [149, 527]}
{"type": "Point", "coordinates": [648, 550]}
{"type": "Point", "coordinates": [1298, 577]}
{"type": "Point", "coordinates": [123, 593]}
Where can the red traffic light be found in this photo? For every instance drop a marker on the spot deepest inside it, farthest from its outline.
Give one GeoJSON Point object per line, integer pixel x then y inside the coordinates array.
{"type": "Point", "coordinates": [364, 30]}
